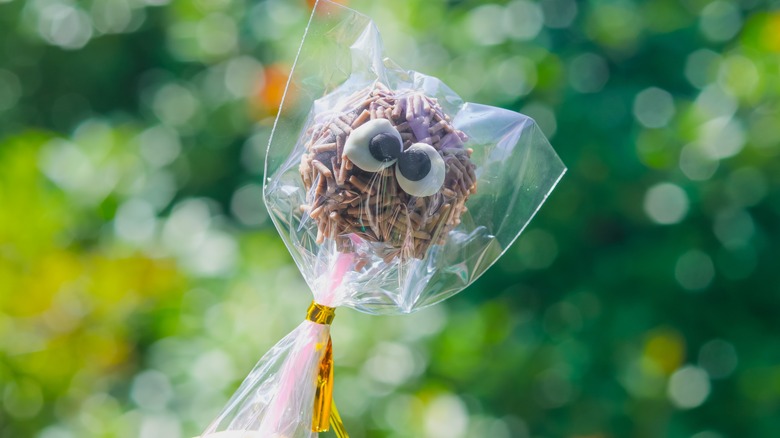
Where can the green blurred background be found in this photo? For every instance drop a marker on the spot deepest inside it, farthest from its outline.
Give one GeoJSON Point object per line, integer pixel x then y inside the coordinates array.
{"type": "Point", "coordinates": [140, 276]}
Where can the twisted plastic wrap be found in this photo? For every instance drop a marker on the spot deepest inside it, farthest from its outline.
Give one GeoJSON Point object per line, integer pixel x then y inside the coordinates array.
{"type": "Point", "coordinates": [391, 193]}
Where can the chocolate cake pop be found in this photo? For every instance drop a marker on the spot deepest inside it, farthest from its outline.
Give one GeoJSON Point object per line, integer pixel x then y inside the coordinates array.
{"type": "Point", "coordinates": [389, 167]}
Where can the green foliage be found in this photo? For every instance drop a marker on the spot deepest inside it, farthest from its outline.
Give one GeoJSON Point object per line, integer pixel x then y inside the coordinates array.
{"type": "Point", "coordinates": [140, 277]}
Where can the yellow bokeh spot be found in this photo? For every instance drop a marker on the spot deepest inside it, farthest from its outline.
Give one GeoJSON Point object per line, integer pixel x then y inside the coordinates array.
{"type": "Point", "coordinates": [771, 34]}
{"type": "Point", "coordinates": [665, 348]}
{"type": "Point", "coordinates": [45, 277]}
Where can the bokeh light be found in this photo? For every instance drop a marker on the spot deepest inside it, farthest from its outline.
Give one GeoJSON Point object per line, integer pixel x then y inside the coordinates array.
{"type": "Point", "coordinates": [653, 107]}
{"type": "Point", "coordinates": [666, 203]}
{"type": "Point", "coordinates": [689, 387]}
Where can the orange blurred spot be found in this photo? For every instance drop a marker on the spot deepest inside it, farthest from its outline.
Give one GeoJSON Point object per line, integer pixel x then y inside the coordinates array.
{"type": "Point", "coordinates": [666, 349]}
{"type": "Point", "coordinates": [771, 34]}
{"type": "Point", "coordinates": [268, 96]}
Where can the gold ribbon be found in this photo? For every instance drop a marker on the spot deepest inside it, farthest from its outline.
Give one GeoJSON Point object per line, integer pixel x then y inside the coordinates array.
{"type": "Point", "coordinates": [325, 413]}
{"type": "Point", "coordinates": [320, 314]}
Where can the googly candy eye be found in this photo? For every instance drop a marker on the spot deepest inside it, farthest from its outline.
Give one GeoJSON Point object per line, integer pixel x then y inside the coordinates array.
{"type": "Point", "coordinates": [374, 145]}
{"type": "Point", "coordinates": [420, 170]}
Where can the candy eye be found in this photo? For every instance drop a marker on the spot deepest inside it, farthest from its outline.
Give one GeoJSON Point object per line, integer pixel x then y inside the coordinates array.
{"type": "Point", "coordinates": [374, 145]}
{"type": "Point", "coordinates": [420, 170]}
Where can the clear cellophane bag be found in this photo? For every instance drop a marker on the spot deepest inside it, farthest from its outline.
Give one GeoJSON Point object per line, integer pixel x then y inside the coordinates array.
{"type": "Point", "coordinates": [382, 234]}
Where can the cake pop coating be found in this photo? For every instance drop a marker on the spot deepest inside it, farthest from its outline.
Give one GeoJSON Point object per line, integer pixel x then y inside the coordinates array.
{"type": "Point", "coordinates": [389, 168]}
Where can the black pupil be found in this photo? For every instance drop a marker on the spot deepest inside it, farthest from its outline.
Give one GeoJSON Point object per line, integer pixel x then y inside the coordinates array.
{"type": "Point", "coordinates": [384, 147]}
{"type": "Point", "coordinates": [414, 165]}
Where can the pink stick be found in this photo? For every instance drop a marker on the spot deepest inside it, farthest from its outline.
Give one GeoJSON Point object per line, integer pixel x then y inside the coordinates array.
{"type": "Point", "coordinates": [342, 266]}
{"type": "Point", "coordinates": [296, 364]}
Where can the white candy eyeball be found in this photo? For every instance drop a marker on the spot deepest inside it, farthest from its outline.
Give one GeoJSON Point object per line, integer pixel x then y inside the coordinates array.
{"type": "Point", "coordinates": [420, 170]}
{"type": "Point", "coordinates": [374, 145]}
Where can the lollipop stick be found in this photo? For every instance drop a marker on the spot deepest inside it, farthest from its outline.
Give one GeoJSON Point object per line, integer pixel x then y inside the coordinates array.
{"type": "Point", "coordinates": [299, 367]}
{"type": "Point", "coordinates": [342, 265]}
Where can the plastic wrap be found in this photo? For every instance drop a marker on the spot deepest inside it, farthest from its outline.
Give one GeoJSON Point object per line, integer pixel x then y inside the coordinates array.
{"type": "Point", "coordinates": [390, 192]}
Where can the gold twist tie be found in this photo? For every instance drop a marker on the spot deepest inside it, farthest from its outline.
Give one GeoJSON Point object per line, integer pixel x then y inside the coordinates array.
{"type": "Point", "coordinates": [325, 413]}
{"type": "Point", "coordinates": [320, 314]}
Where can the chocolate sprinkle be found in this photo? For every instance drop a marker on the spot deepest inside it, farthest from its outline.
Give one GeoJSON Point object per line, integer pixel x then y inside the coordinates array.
{"type": "Point", "coordinates": [344, 200]}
